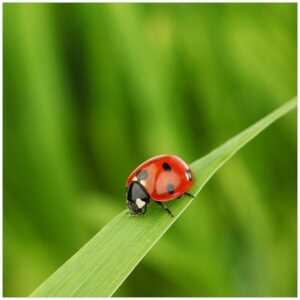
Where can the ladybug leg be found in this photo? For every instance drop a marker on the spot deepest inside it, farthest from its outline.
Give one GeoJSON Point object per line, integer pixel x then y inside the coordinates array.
{"type": "Point", "coordinates": [186, 194]}
{"type": "Point", "coordinates": [190, 195]}
{"type": "Point", "coordinates": [165, 208]}
{"type": "Point", "coordinates": [144, 209]}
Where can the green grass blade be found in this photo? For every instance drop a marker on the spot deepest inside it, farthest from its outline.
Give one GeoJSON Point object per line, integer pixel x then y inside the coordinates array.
{"type": "Point", "coordinates": [102, 265]}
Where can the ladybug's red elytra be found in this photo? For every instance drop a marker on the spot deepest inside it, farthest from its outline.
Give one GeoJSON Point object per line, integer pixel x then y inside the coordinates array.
{"type": "Point", "coordinates": [161, 178]}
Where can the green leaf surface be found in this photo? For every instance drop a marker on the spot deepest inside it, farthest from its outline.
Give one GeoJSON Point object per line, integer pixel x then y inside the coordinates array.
{"type": "Point", "coordinates": [102, 264]}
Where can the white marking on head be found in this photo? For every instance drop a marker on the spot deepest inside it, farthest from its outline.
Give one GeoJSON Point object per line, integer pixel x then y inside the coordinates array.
{"type": "Point", "coordinates": [143, 182]}
{"type": "Point", "coordinates": [134, 178]}
{"type": "Point", "coordinates": [140, 203]}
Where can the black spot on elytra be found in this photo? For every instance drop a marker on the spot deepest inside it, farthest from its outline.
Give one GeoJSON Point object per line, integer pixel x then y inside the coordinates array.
{"type": "Point", "coordinates": [170, 188]}
{"type": "Point", "coordinates": [188, 175]}
{"type": "Point", "coordinates": [142, 175]}
{"type": "Point", "coordinates": [167, 167]}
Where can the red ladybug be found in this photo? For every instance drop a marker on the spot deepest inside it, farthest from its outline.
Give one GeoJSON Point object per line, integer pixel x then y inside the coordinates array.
{"type": "Point", "coordinates": [161, 178]}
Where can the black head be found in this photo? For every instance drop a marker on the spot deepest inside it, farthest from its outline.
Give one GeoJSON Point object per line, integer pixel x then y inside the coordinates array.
{"type": "Point", "coordinates": [137, 198]}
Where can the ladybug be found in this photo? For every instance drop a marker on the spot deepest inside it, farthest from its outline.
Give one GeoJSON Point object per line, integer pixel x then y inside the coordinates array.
{"type": "Point", "coordinates": [161, 179]}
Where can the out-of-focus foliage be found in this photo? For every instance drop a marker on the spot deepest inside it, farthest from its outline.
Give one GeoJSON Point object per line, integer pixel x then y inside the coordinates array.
{"type": "Point", "coordinates": [92, 90]}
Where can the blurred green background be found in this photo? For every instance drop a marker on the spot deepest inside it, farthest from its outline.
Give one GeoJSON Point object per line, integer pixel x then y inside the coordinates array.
{"type": "Point", "coordinates": [92, 90]}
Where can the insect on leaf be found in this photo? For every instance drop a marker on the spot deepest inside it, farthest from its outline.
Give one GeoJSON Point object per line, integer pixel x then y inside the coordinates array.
{"type": "Point", "coordinates": [102, 264]}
